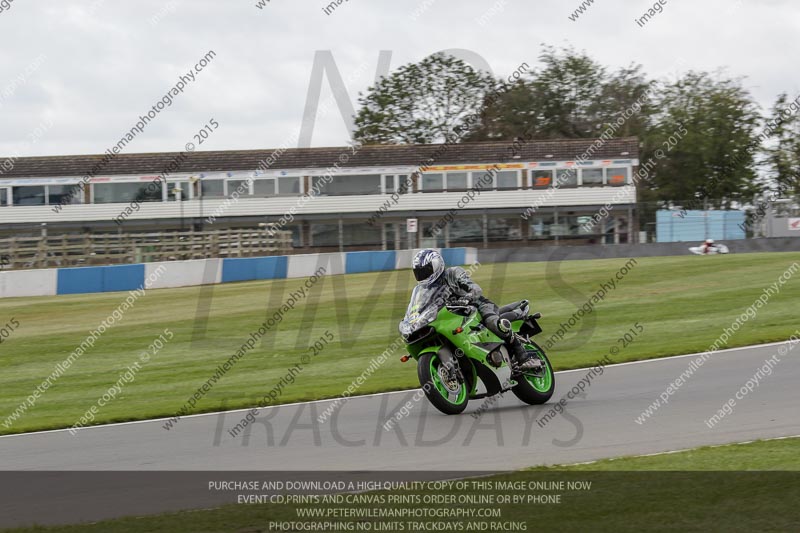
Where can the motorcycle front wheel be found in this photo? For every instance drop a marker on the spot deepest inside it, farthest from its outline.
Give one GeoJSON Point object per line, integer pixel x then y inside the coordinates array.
{"type": "Point", "coordinates": [446, 397]}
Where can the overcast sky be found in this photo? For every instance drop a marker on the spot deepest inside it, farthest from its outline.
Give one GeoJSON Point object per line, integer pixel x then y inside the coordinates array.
{"type": "Point", "coordinates": [76, 75]}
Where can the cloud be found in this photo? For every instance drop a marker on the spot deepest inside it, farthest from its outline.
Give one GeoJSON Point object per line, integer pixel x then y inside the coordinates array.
{"type": "Point", "coordinates": [107, 63]}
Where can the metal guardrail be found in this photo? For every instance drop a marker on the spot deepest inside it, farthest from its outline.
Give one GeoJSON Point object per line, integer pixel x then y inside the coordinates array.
{"type": "Point", "coordinates": [122, 248]}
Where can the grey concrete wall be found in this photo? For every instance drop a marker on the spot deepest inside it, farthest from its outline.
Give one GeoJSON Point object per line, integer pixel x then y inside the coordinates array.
{"type": "Point", "coordinates": [611, 251]}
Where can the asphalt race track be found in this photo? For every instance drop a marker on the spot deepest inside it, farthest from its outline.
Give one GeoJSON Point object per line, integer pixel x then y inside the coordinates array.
{"type": "Point", "coordinates": [509, 435]}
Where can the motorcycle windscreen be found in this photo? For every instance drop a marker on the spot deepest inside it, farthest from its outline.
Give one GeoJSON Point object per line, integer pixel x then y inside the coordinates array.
{"type": "Point", "coordinates": [424, 297]}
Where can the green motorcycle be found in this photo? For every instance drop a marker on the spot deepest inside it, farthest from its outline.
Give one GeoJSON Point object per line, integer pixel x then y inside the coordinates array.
{"type": "Point", "coordinates": [459, 359]}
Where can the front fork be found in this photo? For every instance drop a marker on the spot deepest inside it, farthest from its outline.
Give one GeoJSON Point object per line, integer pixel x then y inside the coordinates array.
{"type": "Point", "coordinates": [449, 361]}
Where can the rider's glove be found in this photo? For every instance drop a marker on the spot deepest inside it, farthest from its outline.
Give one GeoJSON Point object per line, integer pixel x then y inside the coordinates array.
{"type": "Point", "coordinates": [462, 302]}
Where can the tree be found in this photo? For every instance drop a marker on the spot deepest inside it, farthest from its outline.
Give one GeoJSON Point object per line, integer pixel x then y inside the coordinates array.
{"type": "Point", "coordinates": [421, 102]}
{"type": "Point", "coordinates": [783, 154]}
{"type": "Point", "coordinates": [705, 131]}
{"type": "Point", "coordinates": [626, 90]}
{"type": "Point", "coordinates": [567, 91]}
{"type": "Point", "coordinates": [571, 95]}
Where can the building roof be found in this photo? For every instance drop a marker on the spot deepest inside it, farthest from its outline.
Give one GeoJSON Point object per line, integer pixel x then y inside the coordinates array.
{"type": "Point", "coordinates": [301, 158]}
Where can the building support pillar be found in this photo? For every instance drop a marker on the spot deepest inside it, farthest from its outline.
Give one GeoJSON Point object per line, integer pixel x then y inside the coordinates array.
{"type": "Point", "coordinates": [525, 232]}
{"type": "Point", "coordinates": [555, 221]}
{"type": "Point", "coordinates": [633, 232]}
{"type": "Point", "coordinates": [485, 230]}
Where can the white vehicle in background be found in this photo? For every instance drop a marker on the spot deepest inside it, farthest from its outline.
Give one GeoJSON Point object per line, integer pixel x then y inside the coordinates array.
{"type": "Point", "coordinates": [709, 248]}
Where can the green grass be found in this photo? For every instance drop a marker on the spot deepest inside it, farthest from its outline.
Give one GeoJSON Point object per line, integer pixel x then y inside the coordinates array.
{"type": "Point", "coordinates": [739, 487]}
{"type": "Point", "coordinates": [682, 302]}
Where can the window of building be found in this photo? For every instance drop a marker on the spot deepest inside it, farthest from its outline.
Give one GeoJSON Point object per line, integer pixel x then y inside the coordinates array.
{"type": "Point", "coordinates": [594, 227]}
{"type": "Point", "coordinates": [466, 230]}
{"type": "Point", "coordinates": [352, 235]}
{"type": "Point", "coordinates": [542, 179]}
{"type": "Point", "coordinates": [617, 176]}
{"type": "Point", "coordinates": [456, 181]}
{"type": "Point", "coordinates": [568, 226]}
{"type": "Point", "coordinates": [289, 186]}
{"type": "Point", "coordinates": [213, 188]}
{"type": "Point", "coordinates": [540, 226]}
{"type": "Point", "coordinates": [4, 197]}
{"type": "Point", "coordinates": [324, 234]}
{"type": "Point", "coordinates": [404, 184]}
{"type": "Point", "coordinates": [347, 185]}
{"type": "Point", "coordinates": [111, 193]}
{"type": "Point", "coordinates": [592, 177]}
{"type": "Point", "coordinates": [297, 234]}
{"type": "Point", "coordinates": [172, 193]}
{"type": "Point", "coordinates": [264, 187]}
{"type": "Point", "coordinates": [508, 179]}
{"type": "Point", "coordinates": [432, 182]}
{"type": "Point", "coordinates": [388, 183]}
{"type": "Point", "coordinates": [240, 186]}
{"type": "Point", "coordinates": [566, 178]}
{"type": "Point", "coordinates": [361, 235]}
{"type": "Point", "coordinates": [484, 179]}
{"type": "Point", "coordinates": [68, 194]}
{"type": "Point", "coordinates": [431, 239]}
{"type": "Point", "coordinates": [560, 228]}
{"type": "Point", "coordinates": [29, 195]}
{"type": "Point", "coordinates": [504, 229]}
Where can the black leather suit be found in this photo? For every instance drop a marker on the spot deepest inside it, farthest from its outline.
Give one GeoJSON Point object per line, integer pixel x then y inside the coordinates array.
{"type": "Point", "coordinates": [462, 287]}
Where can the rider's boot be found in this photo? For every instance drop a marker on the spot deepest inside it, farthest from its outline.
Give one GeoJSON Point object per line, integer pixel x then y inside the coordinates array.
{"type": "Point", "coordinates": [518, 354]}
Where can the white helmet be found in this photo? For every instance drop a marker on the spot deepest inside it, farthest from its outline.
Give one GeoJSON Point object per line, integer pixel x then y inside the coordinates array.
{"type": "Point", "coordinates": [709, 241]}
{"type": "Point", "coordinates": [428, 266]}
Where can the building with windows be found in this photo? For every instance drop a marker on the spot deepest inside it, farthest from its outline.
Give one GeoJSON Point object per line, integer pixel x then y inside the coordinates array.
{"type": "Point", "coordinates": [486, 194]}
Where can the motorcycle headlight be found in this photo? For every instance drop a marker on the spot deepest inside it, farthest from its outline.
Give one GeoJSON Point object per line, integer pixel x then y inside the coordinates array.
{"type": "Point", "coordinates": [406, 329]}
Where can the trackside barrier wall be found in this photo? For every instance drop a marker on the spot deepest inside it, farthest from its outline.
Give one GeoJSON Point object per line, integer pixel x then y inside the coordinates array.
{"type": "Point", "coordinates": [99, 279]}
{"type": "Point", "coordinates": [193, 272]}
{"type": "Point", "coordinates": [83, 280]}
{"type": "Point", "coordinates": [28, 283]}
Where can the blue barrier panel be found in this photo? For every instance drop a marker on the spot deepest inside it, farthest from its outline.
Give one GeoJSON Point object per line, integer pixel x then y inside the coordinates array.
{"type": "Point", "coordinates": [79, 280]}
{"type": "Point", "coordinates": [123, 277]}
{"type": "Point", "coordinates": [380, 261]}
{"type": "Point", "coordinates": [251, 268]}
{"type": "Point", "coordinates": [357, 262]}
{"type": "Point", "coordinates": [454, 256]}
{"type": "Point", "coordinates": [272, 267]}
{"type": "Point", "coordinates": [99, 279]}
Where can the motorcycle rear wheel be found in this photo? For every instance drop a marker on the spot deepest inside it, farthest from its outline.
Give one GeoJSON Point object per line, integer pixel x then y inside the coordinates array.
{"type": "Point", "coordinates": [449, 401]}
{"type": "Point", "coordinates": [536, 389]}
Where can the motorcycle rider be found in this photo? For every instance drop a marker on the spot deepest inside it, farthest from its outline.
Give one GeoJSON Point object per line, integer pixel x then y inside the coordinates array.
{"type": "Point", "coordinates": [708, 245]}
{"type": "Point", "coordinates": [429, 270]}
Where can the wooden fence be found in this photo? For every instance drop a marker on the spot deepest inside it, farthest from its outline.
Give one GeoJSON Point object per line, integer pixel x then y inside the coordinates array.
{"type": "Point", "coordinates": [120, 248]}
